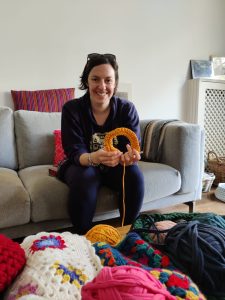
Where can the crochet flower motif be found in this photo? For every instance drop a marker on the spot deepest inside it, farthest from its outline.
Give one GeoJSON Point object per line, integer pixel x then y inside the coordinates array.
{"type": "Point", "coordinates": [24, 290]}
{"type": "Point", "coordinates": [50, 241]}
{"type": "Point", "coordinates": [70, 274]}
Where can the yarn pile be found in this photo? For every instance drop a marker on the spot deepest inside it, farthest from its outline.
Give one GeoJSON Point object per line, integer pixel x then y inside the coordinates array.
{"type": "Point", "coordinates": [12, 260]}
{"type": "Point", "coordinates": [157, 259]}
{"type": "Point", "coordinates": [145, 222]}
{"type": "Point", "coordinates": [125, 282]}
{"type": "Point", "coordinates": [134, 251]}
{"type": "Point", "coordinates": [198, 249]}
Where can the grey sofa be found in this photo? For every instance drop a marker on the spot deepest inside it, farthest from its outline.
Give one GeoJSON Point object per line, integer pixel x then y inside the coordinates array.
{"type": "Point", "coordinates": [32, 201]}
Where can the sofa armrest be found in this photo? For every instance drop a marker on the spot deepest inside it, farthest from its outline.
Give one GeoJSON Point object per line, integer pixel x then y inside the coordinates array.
{"type": "Point", "coordinates": [183, 149]}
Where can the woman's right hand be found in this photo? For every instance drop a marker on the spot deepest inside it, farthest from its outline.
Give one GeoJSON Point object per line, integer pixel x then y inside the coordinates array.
{"type": "Point", "coordinates": [107, 158]}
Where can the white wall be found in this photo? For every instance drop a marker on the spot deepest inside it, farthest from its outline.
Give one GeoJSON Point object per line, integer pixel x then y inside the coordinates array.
{"type": "Point", "coordinates": [44, 43]}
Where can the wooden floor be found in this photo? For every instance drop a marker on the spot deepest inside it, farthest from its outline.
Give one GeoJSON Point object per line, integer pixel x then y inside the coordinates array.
{"type": "Point", "coordinates": [209, 203]}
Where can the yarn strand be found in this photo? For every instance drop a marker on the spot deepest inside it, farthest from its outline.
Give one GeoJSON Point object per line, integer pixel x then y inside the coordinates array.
{"type": "Point", "coordinates": [123, 185]}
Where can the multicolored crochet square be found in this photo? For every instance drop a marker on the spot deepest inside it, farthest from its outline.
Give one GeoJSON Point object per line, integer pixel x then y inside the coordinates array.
{"type": "Point", "coordinates": [58, 265]}
{"type": "Point", "coordinates": [134, 251]}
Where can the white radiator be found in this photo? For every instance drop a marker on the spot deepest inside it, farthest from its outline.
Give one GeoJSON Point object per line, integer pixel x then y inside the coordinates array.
{"type": "Point", "coordinates": [206, 106]}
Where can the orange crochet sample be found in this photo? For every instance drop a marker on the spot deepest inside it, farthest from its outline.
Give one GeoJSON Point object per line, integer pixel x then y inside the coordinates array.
{"type": "Point", "coordinates": [108, 141]}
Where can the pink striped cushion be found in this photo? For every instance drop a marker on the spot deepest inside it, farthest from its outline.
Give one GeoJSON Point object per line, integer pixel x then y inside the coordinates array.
{"type": "Point", "coordinates": [42, 100]}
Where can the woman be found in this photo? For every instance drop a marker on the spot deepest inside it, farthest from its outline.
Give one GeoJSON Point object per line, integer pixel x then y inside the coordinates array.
{"type": "Point", "coordinates": [85, 121]}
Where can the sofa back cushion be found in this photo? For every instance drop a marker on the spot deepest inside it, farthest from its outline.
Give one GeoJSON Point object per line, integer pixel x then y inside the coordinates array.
{"type": "Point", "coordinates": [34, 137]}
{"type": "Point", "coordinates": [8, 156]}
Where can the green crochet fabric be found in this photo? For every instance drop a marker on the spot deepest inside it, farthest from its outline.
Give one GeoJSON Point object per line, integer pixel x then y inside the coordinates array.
{"type": "Point", "coordinates": [145, 221]}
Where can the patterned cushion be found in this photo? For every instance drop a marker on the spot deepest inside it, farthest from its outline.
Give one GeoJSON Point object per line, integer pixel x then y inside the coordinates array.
{"type": "Point", "coordinates": [42, 100]}
{"type": "Point", "coordinates": [59, 152]}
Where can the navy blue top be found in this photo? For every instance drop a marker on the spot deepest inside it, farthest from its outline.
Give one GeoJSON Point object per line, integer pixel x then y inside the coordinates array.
{"type": "Point", "coordinates": [81, 133]}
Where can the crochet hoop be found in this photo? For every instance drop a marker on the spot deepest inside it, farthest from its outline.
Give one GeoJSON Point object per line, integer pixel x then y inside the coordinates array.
{"type": "Point", "coordinates": [108, 141]}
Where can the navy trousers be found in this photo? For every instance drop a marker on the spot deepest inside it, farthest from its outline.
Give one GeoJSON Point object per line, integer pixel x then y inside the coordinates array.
{"type": "Point", "coordinates": [84, 183]}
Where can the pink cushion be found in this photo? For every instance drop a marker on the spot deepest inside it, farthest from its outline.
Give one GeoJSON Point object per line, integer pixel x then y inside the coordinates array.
{"type": "Point", "coordinates": [59, 152]}
{"type": "Point", "coordinates": [42, 100]}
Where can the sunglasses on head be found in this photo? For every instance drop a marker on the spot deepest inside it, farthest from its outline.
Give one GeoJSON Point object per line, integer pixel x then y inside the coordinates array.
{"type": "Point", "coordinates": [98, 55]}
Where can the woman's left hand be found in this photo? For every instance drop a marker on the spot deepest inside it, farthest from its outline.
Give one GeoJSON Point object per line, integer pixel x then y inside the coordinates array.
{"type": "Point", "coordinates": [130, 157]}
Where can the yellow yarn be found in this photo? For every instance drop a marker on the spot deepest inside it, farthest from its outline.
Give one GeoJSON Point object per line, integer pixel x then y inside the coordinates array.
{"type": "Point", "coordinates": [108, 146]}
{"type": "Point", "coordinates": [104, 233]}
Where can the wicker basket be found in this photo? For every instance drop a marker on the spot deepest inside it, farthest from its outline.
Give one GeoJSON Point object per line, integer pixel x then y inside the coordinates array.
{"type": "Point", "coordinates": [216, 165]}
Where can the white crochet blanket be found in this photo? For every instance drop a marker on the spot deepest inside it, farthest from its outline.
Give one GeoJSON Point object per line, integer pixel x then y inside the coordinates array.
{"type": "Point", "coordinates": [58, 265]}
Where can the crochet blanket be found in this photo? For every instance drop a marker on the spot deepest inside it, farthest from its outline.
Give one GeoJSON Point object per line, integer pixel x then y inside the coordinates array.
{"type": "Point", "coordinates": [153, 138]}
{"type": "Point", "coordinates": [145, 221]}
{"type": "Point", "coordinates": [134, 251]}
{"type": "Point", "coordinates": [58, 265]}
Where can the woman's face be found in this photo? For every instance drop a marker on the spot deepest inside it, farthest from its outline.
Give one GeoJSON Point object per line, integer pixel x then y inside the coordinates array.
{"type": "Point", "coordinates": [101, 84]}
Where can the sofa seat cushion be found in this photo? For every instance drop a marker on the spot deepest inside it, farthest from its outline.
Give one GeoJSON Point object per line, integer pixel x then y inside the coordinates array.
{"type": "Point", "coordinates": [160, 180]}
{"type": "Point", "coordinates": [107, 204]}
{"type": "Point", "coordinates": [14, 200]}
{"type": "Point", "coordinates": [48, 195]}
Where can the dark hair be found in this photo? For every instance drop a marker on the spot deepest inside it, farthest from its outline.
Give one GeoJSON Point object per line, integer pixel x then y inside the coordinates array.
{"type": "Point", "coordinates": [96, 59]}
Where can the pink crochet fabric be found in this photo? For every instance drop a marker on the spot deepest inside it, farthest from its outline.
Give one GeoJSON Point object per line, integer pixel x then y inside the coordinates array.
{"type": "Point", "coordinates": [125, 282]}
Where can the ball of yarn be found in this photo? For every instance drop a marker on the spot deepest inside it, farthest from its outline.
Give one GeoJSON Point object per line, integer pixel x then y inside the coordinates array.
{"type": "Point", "coordinates": [198, 249]}
{"type": "Point", "coordinates": [159, 230]}
{"type": "Point", "coordinates": [12, 260]}
{"type": "Point", "coordinates": [124, 282]}
{"type": "Point", "coordinates": [104, 233]}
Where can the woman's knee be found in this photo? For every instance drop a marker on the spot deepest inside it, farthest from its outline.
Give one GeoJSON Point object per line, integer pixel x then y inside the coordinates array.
{"type": "Point", "coordinates": [78, 175]}
{"type": "Point", "coordinates": [134, 175]}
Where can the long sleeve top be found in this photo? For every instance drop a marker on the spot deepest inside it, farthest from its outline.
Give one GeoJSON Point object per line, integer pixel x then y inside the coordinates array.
{"type": "Point", "coordinates": [81, 133]}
